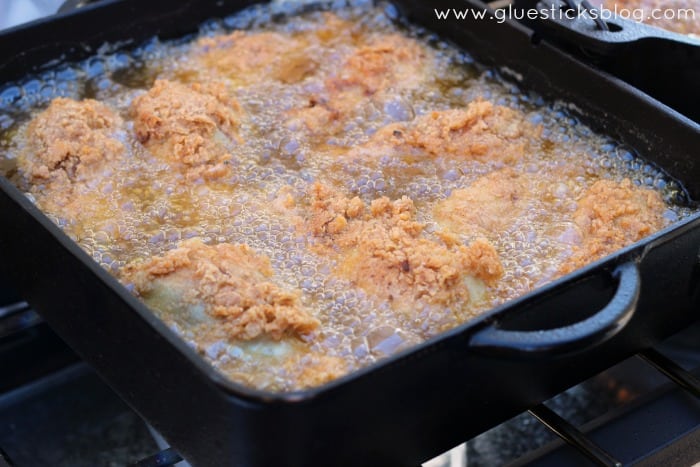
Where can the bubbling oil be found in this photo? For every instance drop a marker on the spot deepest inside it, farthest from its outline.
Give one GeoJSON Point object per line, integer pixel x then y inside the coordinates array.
{"type": "Point", "coordinates": [147, 207]}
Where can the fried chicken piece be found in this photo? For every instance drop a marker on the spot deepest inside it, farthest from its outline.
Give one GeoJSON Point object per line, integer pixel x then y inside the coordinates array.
{"type": "Point", "coordinates": [388, 62]}
{"type": "Point", "coordinates": [251, 57]}
{"type": "Point", "coordinates": [612, 215]}
{"type": "Point", "coordinates": [380, 248]}
{"type": "Point", "coordinates": [71, 142]}
{"type": "Point", "coordinates": [192, 127]}
{"type": "Point", "coordinates": [487, 207]}
{"type": "Point", "coordinates": [482, 131]}
{"type": "Point", "coordinates": [331, 29]}
{"type": "Point", "coordinates": [230, 281]}
{"type": "Point", "coordinates": [74, 150]}
{"type": "Point", "coordinates": [683, 22]}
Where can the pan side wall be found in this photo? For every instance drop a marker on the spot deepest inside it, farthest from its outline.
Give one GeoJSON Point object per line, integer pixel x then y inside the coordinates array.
{"type": "Point", "coordinates": [399, 414]}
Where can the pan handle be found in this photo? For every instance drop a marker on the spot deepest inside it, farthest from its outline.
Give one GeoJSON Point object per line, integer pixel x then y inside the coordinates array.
{"type": "Point", "coordinates": [568, 339]}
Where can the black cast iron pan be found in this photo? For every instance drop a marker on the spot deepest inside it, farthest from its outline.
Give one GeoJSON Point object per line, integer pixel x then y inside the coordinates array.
{"type": "Point", "coordinates": [663, 64]}
{"type": "Point", "coordinates": [409, 407]}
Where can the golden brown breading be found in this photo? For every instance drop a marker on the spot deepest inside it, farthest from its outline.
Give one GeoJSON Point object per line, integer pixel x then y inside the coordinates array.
{"type": "Point", "coordinates": [381, 249]}
{"type": "Point", "coordinates": [388, 61]}
{"type": "Point", "coordinates": [74, 151]}
{"type": "Point", "coordinates": [249, 57]}
{"type": "Point", "coordinates": [191, 126]}
{"type": "Point", "coordinates": [612, 215]}
{"type": "Point", "coordinates": [331, 29]}
{"type": "Point", "coordinates": [71, 141]}
{"type": "Point", "coordinates": [482, 131]}
{"type": "Point", "coordinates": [231, 282]}
{"type": "Point", "coordinates": [488, 207]}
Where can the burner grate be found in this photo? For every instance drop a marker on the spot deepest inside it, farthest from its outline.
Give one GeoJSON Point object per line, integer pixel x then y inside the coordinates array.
{"type": "Point", "coordinates": [585, 445]}
{"type": "Point", "coordinates": [663, 428]}
{"type": "Point", "coordinates": [573, 436]}
{"type": "Point", "coordinates": [672, 371]}
{"type": "Point", "coordinates": [686, 433]}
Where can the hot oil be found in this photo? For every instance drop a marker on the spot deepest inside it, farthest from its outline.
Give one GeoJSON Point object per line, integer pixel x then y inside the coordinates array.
{"type": "Point", "coordinates": [146, 207]}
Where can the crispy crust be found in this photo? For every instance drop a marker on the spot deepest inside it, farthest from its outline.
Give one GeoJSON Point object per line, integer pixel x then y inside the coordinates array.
{"type": "Point", "coordinates": [232, 282]}
{"type": "Point", "coordinates": [189, 126]}
{"type": "Point", "coordinates": [381, 250]}
{"type": "Point", "coordinates": [612, 215]}
{"type": "Point", "coordinates": [487, 207]}
{"type": "Point", "coordinates": [482, 131]}
{"type": "Point", "coordinates": [247, 58]}
{"type": "Point", "coordinates": [71, 141]}
{"type": "Point", "coordinates": [388, 61]}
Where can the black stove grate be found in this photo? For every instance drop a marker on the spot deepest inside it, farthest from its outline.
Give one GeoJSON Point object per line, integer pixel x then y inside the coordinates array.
{"type": "Point", "coordinates": [573, 436]}
{"type": "Point", "coordinates": [662, 428]}
{"type": "Point", "coordinates": [674, 438]}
